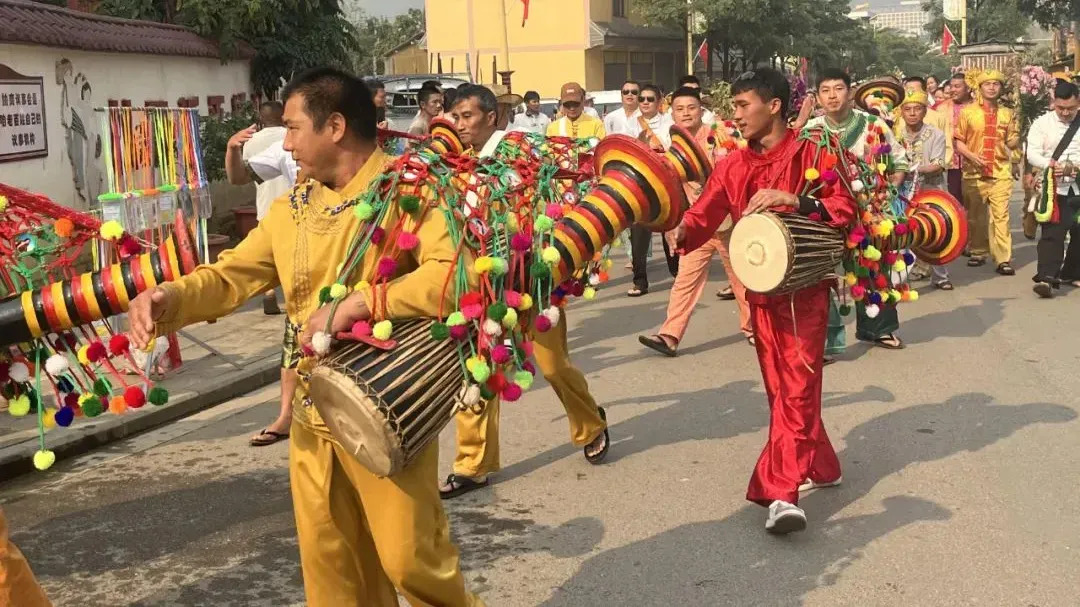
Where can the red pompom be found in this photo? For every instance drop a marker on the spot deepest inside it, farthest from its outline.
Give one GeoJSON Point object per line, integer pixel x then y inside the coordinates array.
{"type": "Point", "coordinates": [578, 289]}
{"type": "Point", "coordinates": [528, 366]}
{"type": "Point", "coordinates": [472, 298]}
{"type": "Point", "coordinates": [95, 351]}
{"type": "Point", "coordinates": [134, 397]}
{"type": "Point", "coordinates": [71, 399]}
{"type": "Point", "coordinates": [543, 323]}
{"type": "Point", "coordinates": [118, 344]}
{"type": "Point", "coordinates": [880, 281]}
{"type": "Point", "coordinates": [129, 246]}
{"type": "Point", "coordinates": [496, 382]}
{"type": "Point", "coordinates": [4, 377]}
{"type": "Point", "coordinates": [377, 235]}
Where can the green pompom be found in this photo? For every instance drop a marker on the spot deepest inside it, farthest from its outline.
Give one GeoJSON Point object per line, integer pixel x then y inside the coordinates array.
{"type": "Point", "coordinates": [364, 211]}
{"type": "Point", "coordinates": [158, 396]}
{"type": "Point", "coordinates": [324, 295]}
{"type": "Point", "coordinates": [862, 272]}
{"type": "Point", "coordinates": [439, 331]}
{"type": "Point", "coordinates": [92, 407]}
{"type": "Point", "coordinates": [845, 310]}
{"type": "Point", "coordinates": [539, 270]}
{"type": "Point", "coordinates": [497, 311]}
{"type": "Point", "coordinates": [409, 203]}
{"type": "Point", "coordinates": [102, 387]}
{"type": "Point", "coordinates": [543, 224]}
{"type": "Point", "coordinates": [485, 393]}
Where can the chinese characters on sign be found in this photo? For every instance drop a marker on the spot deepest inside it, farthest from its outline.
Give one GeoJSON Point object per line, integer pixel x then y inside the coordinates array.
{"type": "Point", "coordinates": [22, 117]}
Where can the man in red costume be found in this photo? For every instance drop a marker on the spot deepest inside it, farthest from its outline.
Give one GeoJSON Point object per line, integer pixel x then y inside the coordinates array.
{"type": "Point", "coordinates": [771, 174]}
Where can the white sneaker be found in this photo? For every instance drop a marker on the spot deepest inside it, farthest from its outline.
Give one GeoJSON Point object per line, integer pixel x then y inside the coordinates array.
{"type": "Point", "coordinates": [809, 484]}
{"type": "Point", "coordinates": [785, 518]}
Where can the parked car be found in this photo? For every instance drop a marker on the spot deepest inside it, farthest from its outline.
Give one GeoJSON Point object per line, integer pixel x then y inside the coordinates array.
{"type": "Point", "coordinates": [401, 102]}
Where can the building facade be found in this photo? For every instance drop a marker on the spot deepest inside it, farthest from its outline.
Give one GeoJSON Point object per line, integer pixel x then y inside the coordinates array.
{"type": "Point", "coordinates": [57, 66]}
{"type": "Point", "coordinates": [598, 43]}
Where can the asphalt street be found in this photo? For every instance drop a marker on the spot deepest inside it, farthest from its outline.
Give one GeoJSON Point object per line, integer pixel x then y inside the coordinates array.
{"type": "Point", "coordinates": [960, 476]}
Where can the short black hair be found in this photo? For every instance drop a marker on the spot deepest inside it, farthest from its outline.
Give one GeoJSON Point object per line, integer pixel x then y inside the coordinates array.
{"type": "Point", "coordinates": [448, 97]}
{"type": "Point", "coordinates": [273, 107]}
{"type": "Point", "coordinates": [375, 84]}
{"type": "Point", "coordinates": [626, 82]}
{"type": "Point", "coordinates": [834, 73]}
{"type": "Point", "coordinates": [686, 91]}
{"type": "Point", "coordinates": [918, 79]}
{"type": "Point", "coordinates": [327, 91]}
{"type": "Point", "coordinates": [1065, 89]}
{"type": "Point", "coordinates": [482, 94]}
{"type": "Point", "coordinates": [959, 76]}
{"type": "Point", "coordinates": [426, 93]}
{"type": "Point", "coordinates": [653, 88]}
{"type": "Point", "coordinates": [768, 83]}
{"type": "Point", "coordinates": [531, 95]}
{"type": "Point", "coordinates": [689, 79]}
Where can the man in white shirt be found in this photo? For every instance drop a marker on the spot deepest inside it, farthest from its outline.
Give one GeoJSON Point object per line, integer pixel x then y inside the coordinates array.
{"type": "Point", "coordinates": [1044, 137]}
{"type": "Point", "coordinates": [652, 127]}
{"type": "Point", "coordinates": [619, 121]}
{"type": "Point", "coordinates": [532, 120]}
{"type": "Point", "coordinates": [589, 109]}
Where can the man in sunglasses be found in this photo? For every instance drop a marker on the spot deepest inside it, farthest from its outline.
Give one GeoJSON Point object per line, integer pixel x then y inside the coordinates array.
{"type": "Point", "coordinates": [652, 127]}
{"type": "Point", "coordinates": [575, 123]}
{"type": "Point", "coordinates": [621, 121]}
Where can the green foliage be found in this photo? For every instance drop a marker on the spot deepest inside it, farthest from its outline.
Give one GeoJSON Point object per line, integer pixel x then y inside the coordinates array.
{"type": "Point", "coordinates": [894, 53]}
{"type": "Point", "coordinates": [378, 36]}
{"type": "Point", "coordinates": [216, 132]}
{"type": "Point", "coordinates": [987, 20]}
{"type": "Point", "coordinates": [1050, 13]}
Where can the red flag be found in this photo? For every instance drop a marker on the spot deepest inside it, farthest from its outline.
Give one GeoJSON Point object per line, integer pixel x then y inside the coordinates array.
{"type": "Point", "coordinates": [703, 50]}
{"type": "Point", "coordinates": [525, 12]}
{"type": "Point", "coordinates": [946, 40]}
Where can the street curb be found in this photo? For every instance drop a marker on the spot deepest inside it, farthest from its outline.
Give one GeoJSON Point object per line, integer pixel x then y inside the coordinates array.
{"type": "Point", "coordinates": [257, 375]}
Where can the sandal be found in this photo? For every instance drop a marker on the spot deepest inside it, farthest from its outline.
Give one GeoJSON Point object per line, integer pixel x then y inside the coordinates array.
{"type": "Point", "coordinates": [659, 344]}
{"type": "Point", "coordinates": [944, 285]}
{"type": "Point", "coordinates": [827, 360]}
{"type": "Point", "coordinates": [751, 340]}
{"type": "Point", "coordinates": [1005, 269]}
{"type": "Point", "coordinates": [460, 485]}
{"type": "Point", "coordinates": [726, 294]}
{"type": "Point", "coordinates": [636, 292]}
{"type": "Point", "coordinates": [889, 342]}
{"type": "Point", "coordinates": [258, 441]}
{"type": "Point", "coordinates": [598, 457]}
{"type": "Point", "coordinates": [975, 262]}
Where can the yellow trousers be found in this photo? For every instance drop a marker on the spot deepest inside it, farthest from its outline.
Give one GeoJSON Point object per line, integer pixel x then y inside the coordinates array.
{"type": "Point", "coordinates": [987, 204]}
{"type": "Point", "coordinates": [478, 434]}
{"type": "Point", "coordinates": [18, 588]}
{"type": "Point", "coordinates": [363, 538]}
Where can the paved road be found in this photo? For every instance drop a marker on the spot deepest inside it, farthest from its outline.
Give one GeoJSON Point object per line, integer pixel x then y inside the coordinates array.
{"type": "Point", "coordinates": [959, 459]}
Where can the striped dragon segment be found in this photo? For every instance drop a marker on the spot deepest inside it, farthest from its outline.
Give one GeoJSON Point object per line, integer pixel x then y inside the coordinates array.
{"type": "Point", "coordinates": [96, 295]}
{"type": "Point", "coordinates": [940, 230]}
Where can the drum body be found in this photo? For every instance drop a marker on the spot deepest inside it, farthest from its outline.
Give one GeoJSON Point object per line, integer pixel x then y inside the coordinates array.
{"type": "Point", "coordinates": [775, 253]}
{"type": "Point", "coordinates": [385, 406]}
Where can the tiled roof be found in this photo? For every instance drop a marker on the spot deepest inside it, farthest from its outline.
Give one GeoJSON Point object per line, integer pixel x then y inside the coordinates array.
{"type": "Point", "coordinates": [25, 22]}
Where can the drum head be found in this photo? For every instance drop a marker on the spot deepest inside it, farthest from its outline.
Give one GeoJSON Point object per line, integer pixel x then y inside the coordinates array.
{"type": "Point", "coordinates": [760, 252]}
{"type": "Point", "coordinates": [355, 422]}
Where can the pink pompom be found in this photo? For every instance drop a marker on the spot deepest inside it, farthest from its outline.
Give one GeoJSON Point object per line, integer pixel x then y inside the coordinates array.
{"type": "Point", "coordinates": [527, 346]}
{"type": "Point", "coordinates": [520, 242]}
{"type": "Point", "coordinates": [513, 299]}
{"type": "Point", "coordinates": [511, 392]}
{"type": "Point", "coordinates": [361, 328]}
{"type": "Point", "coordinates": [377, 235]}
{"type": "Point", "coordinates": [830, 176]}
{"type": "Point", "coordinates": [543, 324]}
{"type": "Point", "coordinates": [459, 332]}
{"type": "Point", "coordinates": [407, 241]}
{"type": "Point", "coordinates": [118, 344]}
{"type": "Point", "coordinates": [387, 267]}
{"type": "Point", "coordinates": [900, 229]}
{"type": "Point", "coordinates": [858, 292]}
{"type": "Point", "coordinates": [134, 397]}
{"type": "Point", "coordinates": [890, 257]}
{"type": "Point", "coordinates": [472, 311]}
{"type": "Point", "coordinates": [553, 211]}
{"type": "Point", "coordinates": [528, 366]}
{"type": "Point", "coordinates": [500, 354]}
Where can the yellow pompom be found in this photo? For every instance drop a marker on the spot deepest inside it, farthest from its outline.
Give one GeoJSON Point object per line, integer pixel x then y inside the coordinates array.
{"type": "Point", "coordinates": [512, 223]}
{"type": "Point", "coordinates": [886, 227]}
{"type": "Point", "coordinates": [550, 255]}
{"type": "Point", "coordinates": [894, 294]}
{"type": "Point", "coordinates": [474, 361]}
{"type": "Point", "coordinates": [85, 396]}
{"type": "Point", "coordinates": [899, 265]}
{"type": "Point", "coordinates": [112, 230]}
{"type": "Point", "coordinates": [382, 329]}
{"type": "Point", "coordinates": [850, 279]}
{"type": "Point", "coordinates": [484, 264]}
{"type": "Point", "coordinates": [338, 290]}
{"type": "Point", "coordinates": [589, 294]}
{"type": "Point", "coordinates": [526, 302]}
{"type": "Point", "coordinates": [19, 406]}
{"type": "Point", "coordinates": [3, 202]}
{"type": "Point", "coordinates": [83, 358]}
{"type": "Point", "coordinates": [811, 174]}
{"type": "Point", "coordinates": [742, 143]}
{"type": "Point", "coordinates": [881, 167]}
{"type": "Point", "coordinates": [913, 295]}
{"type": "Point", "coordinates": [872, 253]}
{"type": "Point", "coordinates": [48, 419]}
{"type": "Point", "coordinates": [360, 286]}
{"type": "Point", "coordinates": [44, 459]}
{"type": "Point", "coordinates": [608, 263]}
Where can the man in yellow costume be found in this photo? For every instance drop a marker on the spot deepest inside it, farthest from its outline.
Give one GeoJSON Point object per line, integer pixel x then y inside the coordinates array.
{"type": "Point", "coordinates": [17, 583]}
{"type": "Point", "coordinates": [362, 538]}
{"type": "Point", "coordinates": [575, 123]}
{"type": "Point", "coordinates": [986, 135]}
{"type": "Point", "coordinates": [478, 434]}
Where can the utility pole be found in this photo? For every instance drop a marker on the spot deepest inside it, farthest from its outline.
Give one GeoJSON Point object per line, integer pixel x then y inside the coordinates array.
{"type": "Point", "coordinates": [690, 37]}
{"type": "Point", "coordinates": [505, 73]}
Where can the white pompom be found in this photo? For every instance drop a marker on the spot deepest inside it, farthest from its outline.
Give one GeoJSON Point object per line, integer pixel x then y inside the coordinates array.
{"type": "Point", "coordinates": [492, 328]}
{"type": "Point", "coordinates": [857, 186]}
{"type": "Point", "coordinates": [19, 373]}
{"type": "Point", "coordinates": [872, 311]}
{"type": "Point", "coordinates": [552, 314]}
{"type": "Point", "coordinates": [56, 364]}
{"type": "Point", "coordinates": [472, 395]}
{"type": "Point", "coordinates": [320, 342]}
{"type": "Point", "coordinates": [594, 279]}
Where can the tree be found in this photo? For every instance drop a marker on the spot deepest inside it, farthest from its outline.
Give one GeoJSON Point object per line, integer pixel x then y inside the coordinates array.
{"type": "Point", "coordinates": [378, 36]}
{"type": "Point", "coordinates": [1050, 13]}
{"type": "Point", "coordinates": [894, 53]}
{"type": "Point", "coordinates": [987, 20]}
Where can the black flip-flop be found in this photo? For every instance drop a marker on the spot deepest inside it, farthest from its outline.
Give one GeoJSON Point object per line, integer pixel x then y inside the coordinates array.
{"type": "Point", "coordinates": [657, 343]}
{"type": "Point", "coordinates": [726, 294]}
{"type": "Point", "coordinates": [944, 285]}
{"type": "Point", "coordinates": [598, 458]}
{"type": "Point", "coordinates": [881, 343]}
{"type": "Point", "coordinates": [975, 262]}
{"type": "Point", "coordinates": [460, 485]}
{"type": "Point", "coordinates": [275, 437]}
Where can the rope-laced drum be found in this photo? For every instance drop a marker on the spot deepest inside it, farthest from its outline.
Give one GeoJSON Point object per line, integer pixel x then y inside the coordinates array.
{"type": "Point", "coordinates": [774, 253]}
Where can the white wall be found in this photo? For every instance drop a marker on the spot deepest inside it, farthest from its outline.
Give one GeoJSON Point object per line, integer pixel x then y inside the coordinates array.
{"type": "Point", "coordinates": [137, 77]}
